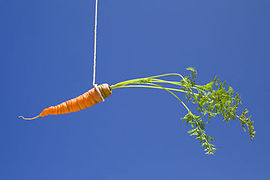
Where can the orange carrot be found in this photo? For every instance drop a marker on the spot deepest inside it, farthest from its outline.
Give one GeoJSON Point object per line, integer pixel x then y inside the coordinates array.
{"type": "Point", "coordinates": [90, 98]}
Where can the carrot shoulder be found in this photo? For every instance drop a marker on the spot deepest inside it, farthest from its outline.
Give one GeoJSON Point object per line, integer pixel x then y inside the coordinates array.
{"type": "Point", "coordinates": [88, 99]}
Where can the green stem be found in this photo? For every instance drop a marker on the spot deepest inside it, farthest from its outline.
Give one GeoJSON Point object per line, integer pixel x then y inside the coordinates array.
{"type": "Point", "coordinates": [173, 95]}
{"type": "Point", "coordinates": [169, 74]}
{"type": "Point", "coordinates": [154, 87]}
{"type": "Point", "coordinates": [135, 81]}
{"type": "Point", "coordinates": [164, 81]}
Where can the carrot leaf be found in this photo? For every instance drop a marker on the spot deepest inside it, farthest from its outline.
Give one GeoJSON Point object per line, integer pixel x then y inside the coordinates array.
{"type": "Point", "coordinates": [210, 100]}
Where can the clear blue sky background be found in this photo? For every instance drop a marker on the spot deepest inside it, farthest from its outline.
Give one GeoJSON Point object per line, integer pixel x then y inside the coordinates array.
{"type": "Point", "coordinates": [46, 56]}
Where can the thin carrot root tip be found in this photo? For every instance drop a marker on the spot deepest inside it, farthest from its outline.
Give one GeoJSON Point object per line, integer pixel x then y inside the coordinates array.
{"type": "Point", "coordinates": [29, 118]}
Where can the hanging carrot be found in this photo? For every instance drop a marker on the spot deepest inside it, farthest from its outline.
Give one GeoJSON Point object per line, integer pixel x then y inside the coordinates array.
{"type": "Point", "coordinates": [211, 99]}
{"type": "Point", "coordinates": [90, 98]}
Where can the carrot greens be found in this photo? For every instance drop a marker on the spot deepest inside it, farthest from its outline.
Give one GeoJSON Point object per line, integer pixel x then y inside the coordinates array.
{"type": "Point", "coordinates": [210, 100]}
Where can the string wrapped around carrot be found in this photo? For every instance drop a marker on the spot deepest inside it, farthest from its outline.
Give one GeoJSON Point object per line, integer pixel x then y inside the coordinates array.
{"type": "Point", "coordinates": [211, 99]}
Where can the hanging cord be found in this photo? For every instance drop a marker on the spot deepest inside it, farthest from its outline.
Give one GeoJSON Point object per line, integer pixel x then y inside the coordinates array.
{"type": "Point", "coordinates": [95, 51]}
{"type": "Point", "coordinates": [95, 44]}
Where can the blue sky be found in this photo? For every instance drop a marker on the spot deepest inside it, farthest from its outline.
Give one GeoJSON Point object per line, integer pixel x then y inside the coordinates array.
{"type": "Point", "coordinates": [46, 55]}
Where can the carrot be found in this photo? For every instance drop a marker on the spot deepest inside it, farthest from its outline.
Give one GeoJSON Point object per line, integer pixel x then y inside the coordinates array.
{"type": "Point", "coordinates": [211, 99]}
{"type": "Point", "coordinates": [90, 98]}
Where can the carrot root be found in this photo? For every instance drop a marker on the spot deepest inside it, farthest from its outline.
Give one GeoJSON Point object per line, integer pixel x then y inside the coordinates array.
{"type": "Point", "coordinates": [90, 98]}
{"type": "Point", "coordinates": [29, 118]}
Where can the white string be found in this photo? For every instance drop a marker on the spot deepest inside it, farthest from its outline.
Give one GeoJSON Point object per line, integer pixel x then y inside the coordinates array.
{"type": "Point", "coordinates": [95, 44]}
{"type": "Point", "coordinates": [95, 51]}
{"type": "Point", "coordinates": [99, 92]}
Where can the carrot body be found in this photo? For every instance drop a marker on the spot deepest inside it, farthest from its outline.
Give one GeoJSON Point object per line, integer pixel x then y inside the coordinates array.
{"type": "Point", "coordinates": [88, 99]}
